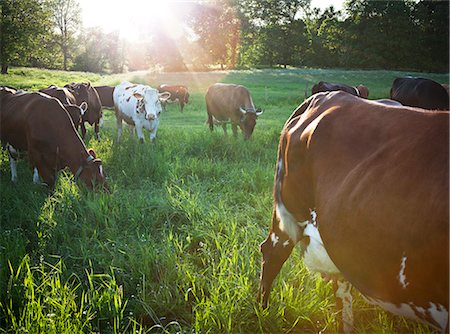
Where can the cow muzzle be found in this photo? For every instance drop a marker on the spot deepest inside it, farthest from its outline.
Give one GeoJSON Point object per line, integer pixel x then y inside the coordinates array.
{"type": "Point", "coordinates": [150, 117]}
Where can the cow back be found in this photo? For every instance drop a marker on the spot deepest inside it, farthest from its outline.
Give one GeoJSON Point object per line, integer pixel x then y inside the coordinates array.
{"type": "Point", "coordinates": [420, 92]}
{"type": "Point", "coordinates": [105, 94]}
{"type": "Point", "coordinates": [374, 174]}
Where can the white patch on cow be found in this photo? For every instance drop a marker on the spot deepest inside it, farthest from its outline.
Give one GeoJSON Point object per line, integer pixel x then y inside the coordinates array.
{"type": "Point", "coordinates": [274, 239]}
{"type": "Point", "coordinates": [437, 311]}
{"type": "Point", "coordinates": [288, 223]}
{"type": "Point", "coordinates": [100, 170]}
{"type": "Point", "coordinates": [36, 176]}
{"type": "Point", "coordinates": [314, 217]}
{"type": "Point", "coordinates": [343, 292]}
{"type": "Point", "coordinates": [401, 275]}
{"type": "Point", "coordinates": [439, 314]}
{"type": "Point", "coordinates": [286, 243]}
{"type": "Point", "coordinates": [316, 257]}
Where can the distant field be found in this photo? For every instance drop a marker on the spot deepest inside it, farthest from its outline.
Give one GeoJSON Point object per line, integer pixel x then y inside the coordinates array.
{"type": "Point", "coordinates": [175, 247]}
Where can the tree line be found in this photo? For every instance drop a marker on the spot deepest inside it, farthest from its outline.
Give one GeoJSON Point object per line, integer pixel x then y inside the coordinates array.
{"type": "Point", "coordinates": [395, 34]}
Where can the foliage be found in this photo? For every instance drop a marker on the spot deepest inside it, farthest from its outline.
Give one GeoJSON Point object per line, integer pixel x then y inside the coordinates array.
{"type": "Point", "coordinates": [175, 246]}
{"type": "Point", "coordinates": [66, 17]}
{"type": "Point", "coordinates": [23, 27]}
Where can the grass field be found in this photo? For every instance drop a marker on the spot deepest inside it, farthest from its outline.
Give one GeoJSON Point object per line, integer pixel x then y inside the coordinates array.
{"type": "Point", "coordinates": [175, 247]}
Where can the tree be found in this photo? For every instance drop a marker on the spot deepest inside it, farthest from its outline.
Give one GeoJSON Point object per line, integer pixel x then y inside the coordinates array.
{"type": "Point", "coordinates": [66, 16]}
{"type": "Point", "coordinates": [23, 23]}
{"type": "Point", "coordinates": [217, 26]}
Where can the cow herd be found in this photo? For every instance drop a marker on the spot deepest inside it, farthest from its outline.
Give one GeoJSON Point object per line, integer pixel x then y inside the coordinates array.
{"type": "Point", "coordinates": [361, 185]}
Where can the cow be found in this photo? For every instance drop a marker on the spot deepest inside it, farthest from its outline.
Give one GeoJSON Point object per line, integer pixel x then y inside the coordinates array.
{"type": "Point", "coordinates": [41, 126]}
{"type": "Point", "coordinates": [229, 103]}
{"type": "Point", "coordinates": [84, 92]}
{"type": "Point", "coordinates": [420, 92]}
{"type": "Point", "coordinates": [322, 86]}
{"type": "Point", "coordinates": [69, 102]}
{"type": "Point", "coordinates": [178, 94]}
{"type": "Point", "coordinates": [364, 188]}
{"type": "Point", "coordinates": [139, 106]}
{"type": "Point", "coordinates": [105, 94]}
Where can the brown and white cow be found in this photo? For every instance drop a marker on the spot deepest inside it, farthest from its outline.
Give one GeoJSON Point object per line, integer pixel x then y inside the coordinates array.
{"type": "Point", "coordinates": [420, 92]}
{"type": "Point", "coordinates": [105, 94]}
{"type": "Point", "coordinates": [364, 187]}
{"type": "Point", "coordinates": [69, 102]}
{"type": "Point", "coordinates": [322, 86]}
{"type": "Point", "coordinates": [229, 103]}
{"type": "Point", "coordinates": [40, 125]}
{"type": "Point", "coordinates": [178, 94]}
{"type": "Point", "coordinates": [84, 92]}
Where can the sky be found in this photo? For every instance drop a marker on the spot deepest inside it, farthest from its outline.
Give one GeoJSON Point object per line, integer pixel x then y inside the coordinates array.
{"type": "Point", "coordinates": [128, 16]}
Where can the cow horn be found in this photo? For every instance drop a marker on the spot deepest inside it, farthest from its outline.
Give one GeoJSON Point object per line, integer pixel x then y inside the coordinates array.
{"type": "Point", "coordinates": [242, 110]}
{"type": "Point", "coordinates": [259, 112]}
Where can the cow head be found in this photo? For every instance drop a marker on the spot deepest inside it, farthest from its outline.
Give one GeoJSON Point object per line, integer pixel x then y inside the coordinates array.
{"type": "Point", "coordinates": [84, 92]}
{"type": "Point", "coordinates": [91, 172]}
{"type": "Point", "coordinates": [275, 251]}
{"type": "Point", "coordinates": [248, 121]}
{"type": "Point", "coordinates": [363, 91]}
{"type": "Point", "coordinates": [149, 103]}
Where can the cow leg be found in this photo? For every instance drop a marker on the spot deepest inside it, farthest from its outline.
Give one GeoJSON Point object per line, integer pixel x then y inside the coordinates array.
{"type": "Point", "coordinates": [224, 127]}
{"type": "Point", "coordinates": [41, 168]}
{"type": "Point", "coordinates": [97, 131]}
{"type": "Point", "coordinates": [140, 134]}
{"type": "Point", "coordinates": [235, 130]}
{"type": "Point", "coordinates": [83, 130]}
{"type": "Point", "coordinates": [343, 296]}
{"type": "Point", "coordinates": [210, 122]}
{"type": "Point", "coordinates": [181, 106]}
{"type": "Point", "coordinates": [153, 131]}
{"type": "Point", "coordinates": [132, 130]}
{"type": "Point", "coordinates": [119, 129]}
{"type": "Point", "coordinates": [36, 179]}
{"type": "Point", "coordinates": [12, 162]}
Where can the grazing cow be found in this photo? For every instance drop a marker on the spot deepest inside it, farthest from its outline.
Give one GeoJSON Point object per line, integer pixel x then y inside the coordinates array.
{"type": "Point", "coordinates": [139, 106]}
{"type": "Point", "coordinates": [420, 92]}
{"type": "Point", "coordinates": [361, 91]}
{"type": "Point", "coordinates": [69, 102]}
{"type": "Point", "coordinates": [364, 187]}
{"type": "Point", "coordinates": [84, 92]}
{"type": "Point", "coordinates": [105, 94]}
{"type": "Point", "coordinates": [228, 103]}
{"type": "Point", "coordinates": [178, 94]}
{"type": "Point", "coordinates": [40, 125]}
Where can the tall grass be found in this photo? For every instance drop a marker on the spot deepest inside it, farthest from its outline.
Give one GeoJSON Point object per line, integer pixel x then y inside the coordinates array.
{"type": "Point", "coordinates": [175, 246]}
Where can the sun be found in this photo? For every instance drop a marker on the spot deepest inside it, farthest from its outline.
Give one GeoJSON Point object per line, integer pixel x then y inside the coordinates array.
{"type": "Point", "coordinates": [131, 18]}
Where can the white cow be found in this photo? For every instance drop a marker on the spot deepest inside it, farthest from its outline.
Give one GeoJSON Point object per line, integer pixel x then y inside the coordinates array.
{"type": "Point", "coordinates": [139, 106]}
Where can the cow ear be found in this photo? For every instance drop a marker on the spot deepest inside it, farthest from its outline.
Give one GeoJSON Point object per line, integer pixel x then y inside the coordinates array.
{"type": "Point", "coordinates": [83, 107]}
{"type": "Point", "coordinates": [163, 97]}
{"type": "Point", "coordinates": [138, 96]}
{"type": "Point", "coordinates": [92, 152]}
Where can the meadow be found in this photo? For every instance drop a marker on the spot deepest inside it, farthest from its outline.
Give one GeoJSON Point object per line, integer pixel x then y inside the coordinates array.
{"type": "Point", "coordinates": [175, 247]}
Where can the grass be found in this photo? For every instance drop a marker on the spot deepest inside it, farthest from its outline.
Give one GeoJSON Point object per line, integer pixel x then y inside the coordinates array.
{"type": "Point", "coordinates": [175, 246]}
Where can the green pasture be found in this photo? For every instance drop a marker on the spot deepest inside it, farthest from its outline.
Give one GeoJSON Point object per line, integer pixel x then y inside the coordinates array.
{"type": "Point", "coordinates": [175, 247]}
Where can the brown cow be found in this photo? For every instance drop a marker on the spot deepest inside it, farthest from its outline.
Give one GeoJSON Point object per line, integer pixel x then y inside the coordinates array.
{"type": "Point", "coordinates": [84, 92]}
{"type": "Point", "coordinates": [420, 92]}
{"type": "Point", "coordinates": [364, 188]}
{"type": "Point", "coordinates": [322, 86]}
{"type": "Point", "coordinates": [228, 103]}
{"type": "Point", "coordinates": [39, 124]}
{"type": "Point", "coordinates": [69, 103]}
{"type": "Point", "coordinates": [178, 94]}
{"type": "Point", "coordinates": [105, 94]}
